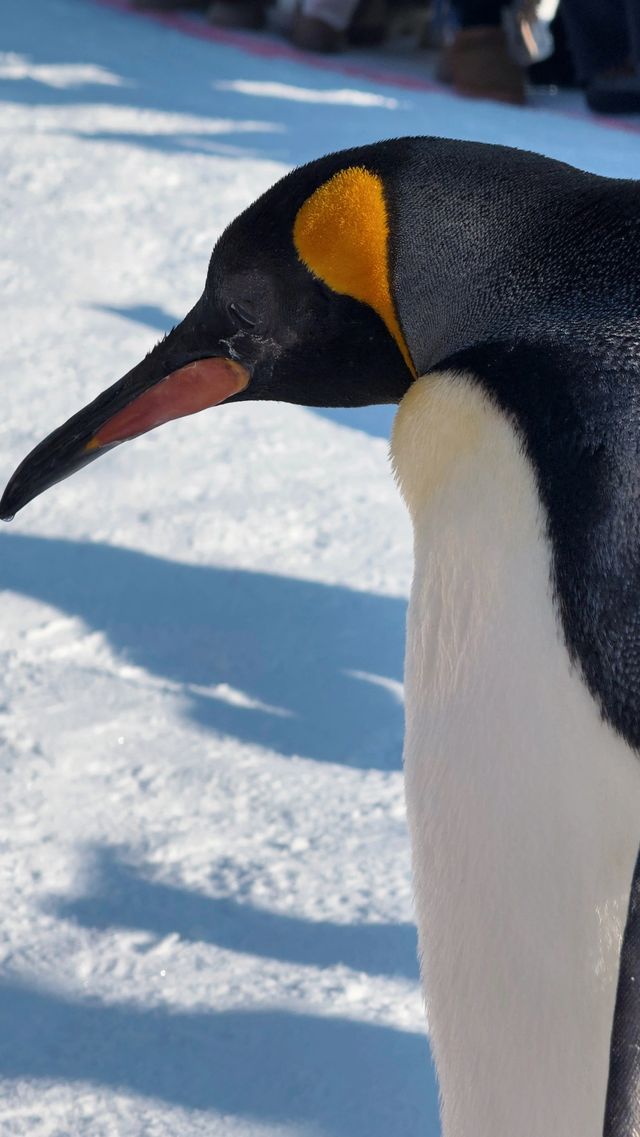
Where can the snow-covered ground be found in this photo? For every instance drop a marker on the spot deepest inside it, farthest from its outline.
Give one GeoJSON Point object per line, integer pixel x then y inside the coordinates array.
{"type": "Point", "coordinates": [204, 872]}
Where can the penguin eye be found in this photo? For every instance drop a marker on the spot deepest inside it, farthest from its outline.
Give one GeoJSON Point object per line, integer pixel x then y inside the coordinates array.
{"type": "Point", "coordinates": [242, 313]}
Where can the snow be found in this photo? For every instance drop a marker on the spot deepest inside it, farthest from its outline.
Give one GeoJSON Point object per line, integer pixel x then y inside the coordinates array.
{"type": "Point", "coordinates": [204, 868]}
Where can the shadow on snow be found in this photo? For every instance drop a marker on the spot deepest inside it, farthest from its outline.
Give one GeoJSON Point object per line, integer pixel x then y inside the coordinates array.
{"type": "Point", "coordinates": [305, 654]}
{"type": "Point", "coordinates": [205, 82]}
{"type": "Point", "coordinates": [346, 1079]}
{"type": "Point", "coordinates": [119, 895]}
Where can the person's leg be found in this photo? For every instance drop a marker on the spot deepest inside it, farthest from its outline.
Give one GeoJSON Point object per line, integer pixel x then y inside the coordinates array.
{"type": "Point", "coordinates": [246, 14]}
{"type": "Point", "coordinates": [326, 25]}
{"type": "Point", "coordinates": [169, 5]}
{"type": "Point", "coordinates": [633, 25]}
{"type": "Point", "coordinates": [320, 25]}
{"type": "Point", "coordinates": [336, 13]}
{"type": "Point", "coordinates": [478, 13]}
{"type": "Point", "coordinates": [604, 37]}
{"type": "Point", "coordinates": [598, 35]}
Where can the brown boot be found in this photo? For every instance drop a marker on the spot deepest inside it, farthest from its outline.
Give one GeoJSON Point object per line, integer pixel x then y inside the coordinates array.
{"type": "Point", "coordinates": [246, 14]}
{"type": "Point", "coordinates": [478, 65]}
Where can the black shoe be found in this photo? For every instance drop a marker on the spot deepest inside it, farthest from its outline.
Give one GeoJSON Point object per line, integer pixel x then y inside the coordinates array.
{"type": "Point", "coordinates": [249, 15]}
{"type": "Point", "coordinates": [170, 5]}
{"type": "Point", "coordinates": [368, 27]}
{"type": "Point", "coordinates": [618, 95]}
{"type": "Point", "coordinates": [311, 34]}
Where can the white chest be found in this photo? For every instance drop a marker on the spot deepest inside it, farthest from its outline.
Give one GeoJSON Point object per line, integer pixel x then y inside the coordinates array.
{"type": "Point", "coordinates": [524, 807]}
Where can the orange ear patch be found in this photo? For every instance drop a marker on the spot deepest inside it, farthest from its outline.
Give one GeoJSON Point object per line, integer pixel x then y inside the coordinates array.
{"type": "Point", "coordinates": [341, 234]}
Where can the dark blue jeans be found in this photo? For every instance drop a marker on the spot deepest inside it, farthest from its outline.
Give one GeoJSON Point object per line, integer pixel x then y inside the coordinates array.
{"type": "Point", "coordinates": [477, 13]}
{"type": "Point", "coordinates": [602, 34]}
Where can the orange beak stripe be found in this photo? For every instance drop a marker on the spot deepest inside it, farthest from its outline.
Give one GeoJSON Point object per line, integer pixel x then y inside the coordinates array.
{"type": "Point", "coordinates": [205, 383]}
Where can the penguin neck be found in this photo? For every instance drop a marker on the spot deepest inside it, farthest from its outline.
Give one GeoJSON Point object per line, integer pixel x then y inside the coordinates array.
{"type": "Point", "coordinates": [508, 246]}
{"type": "Point", "coordinates": [523, 803]}
{"type": "Point", "coordinates": [575, 404]}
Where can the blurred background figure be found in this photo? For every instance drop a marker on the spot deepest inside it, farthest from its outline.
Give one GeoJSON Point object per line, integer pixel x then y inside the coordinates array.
{"type": "Point", "coordinates": [489, 49]}
{"type": "Point", "coordinates": [604, 37]}
{"type": "Point", "coordinates": [314, 25]}
{"type": "Point", "coordinates": [327, 25]}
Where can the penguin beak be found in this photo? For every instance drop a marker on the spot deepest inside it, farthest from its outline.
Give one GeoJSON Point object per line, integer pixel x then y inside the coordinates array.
{"type": "Point", "coordinates": [177, 378]}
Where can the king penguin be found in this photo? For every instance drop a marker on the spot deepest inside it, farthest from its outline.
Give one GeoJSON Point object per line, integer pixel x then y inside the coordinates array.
{"type": "Point", "coordinates": [495, 295]}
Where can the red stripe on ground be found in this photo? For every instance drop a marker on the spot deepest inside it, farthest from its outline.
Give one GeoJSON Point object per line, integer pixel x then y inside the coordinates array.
{"type": "Point", "coordinates": [266, 48]}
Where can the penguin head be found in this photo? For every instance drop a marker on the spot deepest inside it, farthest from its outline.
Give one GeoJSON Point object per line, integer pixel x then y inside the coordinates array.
{"type": "Point", "coordinates": [301, 285]}
{"type": "Point", "coordinates": [298, 306]}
